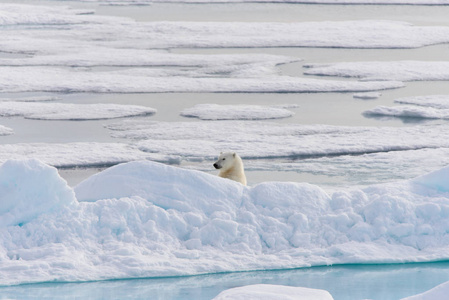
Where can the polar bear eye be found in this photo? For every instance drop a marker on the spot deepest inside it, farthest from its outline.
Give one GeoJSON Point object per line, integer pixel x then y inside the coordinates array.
{"type": "Point", "coordinates": [224, 158]}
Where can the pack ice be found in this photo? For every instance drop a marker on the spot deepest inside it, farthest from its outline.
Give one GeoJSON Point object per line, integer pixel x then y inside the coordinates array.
{"type": "Point", "coordinates": [145, 219]}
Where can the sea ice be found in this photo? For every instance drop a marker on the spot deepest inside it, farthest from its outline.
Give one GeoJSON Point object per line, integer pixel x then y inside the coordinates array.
{"type": "Point", "coordinates": [435, 101]}
{"type": "Point", "coordinates": [372, 95]}
{"type": "Point", "coordinates": [74, 112]}
{"type": "Point", "coordinates": [273, 292]}
{"type": "Point", "coordinates": [385, 70]}
{"type": "Point", "coordinates": [236, 112]}
{"type": "Point", "coordinates": [144, 219]}
{"type": "Point", "coordinates": [46, 79]}
{"type": "Point", "coordinates": [256, 139]}
{"type": "Point", "coordinates": [426, 107]}
{"type": "Point", "coordinates": [5, 130]}
{"type": "Point", "coordinates": [73, 154]}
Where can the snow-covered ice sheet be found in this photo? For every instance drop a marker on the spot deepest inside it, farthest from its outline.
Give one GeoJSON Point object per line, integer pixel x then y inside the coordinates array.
{"type": "Point", "coordinates": [145, 219]}
{"type": "Point", "coordinates": [273, 292]}
{"type": "Point", "coordinates": [72, 155]}
{"type": "Point", "coordinates": [425, 107]}
{"type": "Point", "coordinates": [236, 112]}
{"type": "Point", "coordinates": [257, 139]}
{"type": "Point", "coordinates": [46, 79]}
{"type": "Point", "coordinates": [385, 70]}
{"type": "Point", "coordinates": [74, 112]}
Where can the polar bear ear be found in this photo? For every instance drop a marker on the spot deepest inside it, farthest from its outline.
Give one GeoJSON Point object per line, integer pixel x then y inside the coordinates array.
{"type": "Point", "coordinates": [221, 153]}
{"type": "Point", "coordinates": [234, 154]}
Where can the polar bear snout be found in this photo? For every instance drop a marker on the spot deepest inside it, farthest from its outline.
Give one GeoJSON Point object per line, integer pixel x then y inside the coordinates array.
{"type": "Point", "coordinates": [217, 166]}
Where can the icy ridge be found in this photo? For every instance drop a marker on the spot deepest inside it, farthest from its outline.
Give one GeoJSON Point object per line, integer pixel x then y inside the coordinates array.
{"type": "Point", "coordinates": [145, 219]}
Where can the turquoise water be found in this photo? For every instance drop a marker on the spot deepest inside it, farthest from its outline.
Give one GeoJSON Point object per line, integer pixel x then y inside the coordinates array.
{"type": "Point", "coordinates": [346, 282]}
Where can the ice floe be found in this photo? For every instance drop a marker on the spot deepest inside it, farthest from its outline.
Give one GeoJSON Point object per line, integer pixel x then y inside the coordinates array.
{"type": "Point", "coordinates": [272, 292]}
{"type": "Point", "coordinates": [5, 130]}
{"type": "Point", "coordinates": [45, 79]}
{"type": "Point", "coordinates": [435, 101]}
{"type": "Point", "coordinates": [425, 107]}
{"type": "Point", "coordinates": [203, 140]}
{"type": "Point", "coordinates": [391, 70]}
{"type": "Point", "coordinates": [74, 112]}
{"type": "Point", "coordinates": [144, 219]}
{"type": "Point", "coordinates": [236, 112]}
{"type": "Point", "coordinates": [72, 155]}
{"type": "Point", "coordinates": [372, 95]}
{"type": "Point", "coordinates": [439, 292]}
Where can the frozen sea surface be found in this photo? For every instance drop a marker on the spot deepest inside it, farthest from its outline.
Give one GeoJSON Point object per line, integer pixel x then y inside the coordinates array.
{"type": "Point", "coordinates": [345, 191]}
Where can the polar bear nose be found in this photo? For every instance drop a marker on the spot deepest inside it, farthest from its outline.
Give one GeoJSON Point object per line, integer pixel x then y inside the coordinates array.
{"type": "Point", "coordinates": [216, 166]}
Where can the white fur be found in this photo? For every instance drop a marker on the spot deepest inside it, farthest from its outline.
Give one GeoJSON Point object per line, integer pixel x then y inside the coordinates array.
{"type": "Point", "coordinates": [231, 167]}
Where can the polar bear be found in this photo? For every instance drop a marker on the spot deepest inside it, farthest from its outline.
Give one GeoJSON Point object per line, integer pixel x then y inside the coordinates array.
{"type": "Point", "coordinates": [231, 167]}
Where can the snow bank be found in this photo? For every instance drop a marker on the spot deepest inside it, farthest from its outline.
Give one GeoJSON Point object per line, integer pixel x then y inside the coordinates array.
{"type": "Point", "coordinates": [145, 219]}
{"type": "Point", "coordinates": [73, 112]}
{"type": "Point", "coordinates": [391, 70]}
{"type": "Point", "coordinates": [25, 196]}
{"type": "Point", "coordinates": [236, 112]}
{"type": "Point", "coordinates": [272, 292]}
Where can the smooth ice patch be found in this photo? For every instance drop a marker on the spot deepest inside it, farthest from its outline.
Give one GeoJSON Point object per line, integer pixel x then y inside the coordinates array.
{"type": "Point", "coordinates": [236, 112]}
{"type": "Point", "coordinates": [74, 112]}
{"type": "Point", "coordinates": [272, 292]}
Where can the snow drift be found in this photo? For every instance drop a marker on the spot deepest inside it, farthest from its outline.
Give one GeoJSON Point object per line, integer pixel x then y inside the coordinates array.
{"type": "Point", "coordinates": [144, 219]}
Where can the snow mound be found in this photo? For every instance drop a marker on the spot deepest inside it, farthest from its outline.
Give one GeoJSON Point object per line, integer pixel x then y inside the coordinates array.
{"type": "Point", "coordinates": [273, 292]}
{"type": "Point", "coordinates": [144, 219]}
{"type": "Point", "coordinates": [236, 112]}
{"type": "Point", "coordinates": [24, 195]}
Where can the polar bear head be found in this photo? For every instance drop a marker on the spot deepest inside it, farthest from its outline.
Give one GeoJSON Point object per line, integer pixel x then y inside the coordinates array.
{"type": "Point", "coordinates": [225, 161]}
{"type": "Point", "coordinates": [231, 167]}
